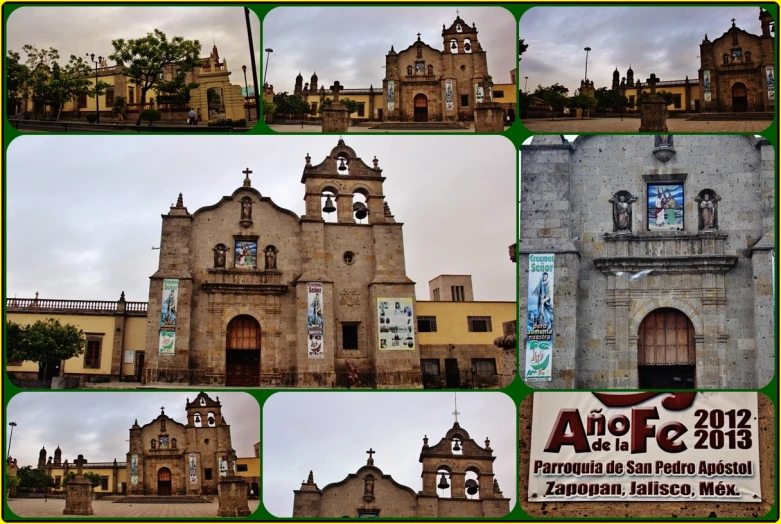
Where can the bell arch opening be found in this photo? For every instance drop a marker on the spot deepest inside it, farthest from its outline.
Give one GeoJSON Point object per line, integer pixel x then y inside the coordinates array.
{"type": "Point", "coordinates": [666, 351]}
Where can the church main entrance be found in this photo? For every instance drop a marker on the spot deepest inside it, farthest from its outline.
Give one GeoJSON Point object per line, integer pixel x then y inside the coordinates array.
{"type": "Point", "coordinates": [666, 357]}
{"type": "Point", "coordinates": [739, 98]}
{"type": "Point", "coordinates": [242, 352]}
{"type": "Point", "coordinates": [421, 108]}
{"type": "Point", "coordinates": [164, 482]}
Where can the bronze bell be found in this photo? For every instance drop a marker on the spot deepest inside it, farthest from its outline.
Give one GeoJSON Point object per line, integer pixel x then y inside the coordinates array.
{"type": "Point", "coordinates": [467, 47]}
{"type": "Point", "coordinates": [329, 205]}
{"type": "Point", "coordinates": [360, 210]}
{"type": "Point", "coordinates": [456, 447]}
{"type": "Point", "coordinates": [453, 45]}
{"type": "Point", "coordinates": [342, 166]}
{"type": "Point", "coordinates": [443, 484]}
{"type": "Point", "coordinates": [471, 487]}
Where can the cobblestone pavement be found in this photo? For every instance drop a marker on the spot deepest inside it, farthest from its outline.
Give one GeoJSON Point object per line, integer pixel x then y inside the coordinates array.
{"type": "Point", "coordinates": [104, 508]}
{"type": "Point", "coordinates": [575, 126]}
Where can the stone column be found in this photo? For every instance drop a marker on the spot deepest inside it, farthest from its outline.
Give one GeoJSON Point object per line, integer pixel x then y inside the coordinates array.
{"type": "Point", "coordinates": [78, 496]}
{"type": "Point", "coordinates": [232, 491]}
{"type": "Point", "coordinates": [489, 118]}
{"type": "Point", "coordinates": [653, 112]}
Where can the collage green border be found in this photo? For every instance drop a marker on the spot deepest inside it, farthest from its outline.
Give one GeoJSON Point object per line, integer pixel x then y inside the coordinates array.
{"type": "Point", "coordinates": [517, 134]}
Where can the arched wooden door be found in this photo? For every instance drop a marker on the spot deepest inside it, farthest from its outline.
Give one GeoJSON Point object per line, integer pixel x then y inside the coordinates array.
{"type": "Point", "coordinates": [739, 98]}
{"type": "Point", "coordinates": [242, 352]}
{"type": "Point", "coordinates": [164, 482]}
{"type": "Point", "coordinates": [666, 355]}
{"type": "Point", "coordinates": [421, 108]}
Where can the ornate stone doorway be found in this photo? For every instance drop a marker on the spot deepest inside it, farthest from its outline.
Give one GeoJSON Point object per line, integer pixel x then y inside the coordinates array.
{"type": "Point", "coordinates": [164, 482]}
{"type": "Point", "coordinates": [666, 356]}
{"type": "Point", "coordinates": [421, 108]}
{"type": "Point", "coordinates": [739, 98]}
{"type": "Point", "coordinates": [242, 352]}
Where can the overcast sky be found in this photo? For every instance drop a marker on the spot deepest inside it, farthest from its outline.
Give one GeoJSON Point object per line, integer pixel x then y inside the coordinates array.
{"type": "Point", "coordinates": [349, 44]}
{"type": "Point", "coordinates": [329, 433]}
{"type": "Point", "coordinates": [97, 425]}
{"type": "Point", "coordinates": [82, 30]}
{"type": "Point", "coordinates": [660, 40]}
{"type": "Point", "coordinates": [83, 212]}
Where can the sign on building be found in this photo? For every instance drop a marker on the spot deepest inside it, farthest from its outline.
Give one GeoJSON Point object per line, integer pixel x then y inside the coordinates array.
{"type": "Point", "coordinates": [314, 320]}
{"type": "Point", "coordinates": [168, 313]}
{"type": "Point", "coordinates": [633, 447]}
{"type": "Point", "coordinates": [539, 318]}
{"type": "Point", "coordinates": [395, 323]}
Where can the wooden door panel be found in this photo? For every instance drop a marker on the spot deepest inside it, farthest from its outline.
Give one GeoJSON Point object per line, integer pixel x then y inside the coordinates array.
{"type": "Point", "coordinates": [666, 338]}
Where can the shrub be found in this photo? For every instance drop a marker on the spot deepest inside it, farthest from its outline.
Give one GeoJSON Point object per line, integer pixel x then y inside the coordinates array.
{"type": "Point", "coordinates": [92, 117]}
{"type": "Point", "coordinates": [229, 122]}
{"type": "Point", "coordinates": [151, 115]}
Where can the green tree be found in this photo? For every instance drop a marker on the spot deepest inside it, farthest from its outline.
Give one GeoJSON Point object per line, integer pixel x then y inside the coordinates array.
{"type": "Point", "coordinates": [93, 478]}
{"type": "Point", "coordinates": [290, 105]}
{"type": "Point", "coordinates": [212, 96]}
{"type": "Point", "coordinates": [145, 59]}
{"type": "Point", "coordinates": [45, 341]}
{"type": "Point", "coordinates": [175, 92]}
{"type": "Point", "coordinates": [582, 102]}
{"type": "Point", "coordinates": [349, 104]}
{"type": "Point", "coordinates": [668, 97]}
{"type": "Point", "coordinates": [521, 48]}
{"type": "Point", "coordinates": [119, 105]}
{"type": "Point", "coordinates": [12, 483]}
{"type": "Point", "coordinates": [34, 479]}
{"type": "Point", "coordinates": [269, 108]}
{"type": "Point", "coordinates": [555, 96]}
{"type": "Point", "coordinates": [16, 78]}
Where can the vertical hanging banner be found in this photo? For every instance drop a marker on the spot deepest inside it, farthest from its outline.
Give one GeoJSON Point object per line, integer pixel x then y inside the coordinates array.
{"type": "Point", "coordinates": [314, 320]}
{"type": "Point", "coordinates": [771, 86]}
{"type": "Point", "coordinates": [634, 447]}
{"type": "Point", "coordinates": [449, 94]}
{"type": "Point", "coordinates": [706, 79]}
{"type": "Point", "coordinates": [168, 313]}
{"type": "Point", "coordinates": [193, 470]}
{"type": "Point", "coordinates": [539, 318]}
{"type": "Point", "coordinates": [134, 469]}
{"type": "Point", "coordinates": [394, 322]}
{"type": "Point", "coordinates": [391, 95]}
{"type": "Point", "coordinates": [223, 468]}
{"type": "Point", "coordinates": [478, 94]}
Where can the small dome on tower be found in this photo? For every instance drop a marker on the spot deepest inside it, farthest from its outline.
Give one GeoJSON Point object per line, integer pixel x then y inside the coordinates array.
{"type": "Point", "coordinates": [299, 78]}
{"type": "Point", "coordinates": [629, 70]}
{"type": "Point", "coordinates": [314, 77]}
{"type": "Point", "coordinates": [616, 74]}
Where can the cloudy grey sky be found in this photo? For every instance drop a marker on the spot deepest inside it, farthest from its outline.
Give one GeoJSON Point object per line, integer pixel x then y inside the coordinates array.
{"type": "Point", "coordinates": [95, 202]}
{"type": "Point", "coordinates": [329, 433]}
{"type": "Point", "coordinates": [349, 44]}
{"type": "Point", "coordinates": [81, 30]}
{"type": "Point", "coordinates": [97, 425]}
{"type": "Point", "coordinates": [660, 40]}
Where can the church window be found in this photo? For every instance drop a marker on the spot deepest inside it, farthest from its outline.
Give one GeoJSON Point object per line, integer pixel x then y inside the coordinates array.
{"type": "Point", "coordinates": [457, 293]}
{"type": "Point", "coordinates": [207, 474]}
{"type": "Point", "coordinates": [484, 366]}
{"type": "Point", "coordinates": [427, 324]}
{"type": "Point", "coordinates": [131, 95]}
{"type": "Point", "coordinates": [479, 324]}
{"type": "Point", "coordinates": [348, 257]}
{"type": "Point", "coordinates": [368, 514]}
{"type": "Point", "coordinates": [361, 108]}
{"type": "Point", "coordinates": [173, 443]}
{"type": "Point", "coordinates": [349, 335]}
{"type": "Point", "coordinates": [430, 366]}
{"type": "Point", "coordinates": [677, 101]}
{"type": "Point", "coordinates": [454, 46]}
{"type": "Point", "coordinates": [57, 481]}
{"type": "Point", "coordinates": [197, 420]}
{"type": "Point", "coordinates": [241, 467]}
{"type": "Point", "coordinates": [104, 483]}
{"type": "Point", "coordinates": [206, 441]}
{"type": "Point", "coordinates": [463, 68]}
{"type": "Point", "coordinates": [464, 100]}
{"type": "Point", "coordinates": [467, 45]}
{"type": "Point", "coordinates": [109, 97]}
{"type": "Point", "coordinates": [93, 350]}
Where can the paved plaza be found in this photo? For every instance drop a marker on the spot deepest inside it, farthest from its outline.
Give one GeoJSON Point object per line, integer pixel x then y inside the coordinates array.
{"type": "Point", "coordinates": [575, 126]}
{"type": "Point", "coordinates": [36, 508]}
{"type": "Point", "coordinates": [296, 128]}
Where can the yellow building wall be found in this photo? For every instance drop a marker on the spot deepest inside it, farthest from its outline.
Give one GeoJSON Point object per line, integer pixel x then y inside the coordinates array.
{"type": "Point", "coordinates": [452, 325]}
{"type": "Point", "coordinates": [103, 472]}
{"type": "Point", "coordinates": [694, 94]}
{"type": "Point", "coordinates": [253, 467]}
{"type": "Point", "coordinates": [366, 98]}
{"type": "Point", "coordinates": [135, 333]}
{"type": "Point", "coordinates": [88, 324]}
{"type": "Point", "coordinates": [509, 91]}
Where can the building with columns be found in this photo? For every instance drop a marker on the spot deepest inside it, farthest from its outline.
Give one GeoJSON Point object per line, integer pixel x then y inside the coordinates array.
{"type": "Point", "coordinates": [458, 482]}
{"type": "Point", "coordinates": [658, 265]}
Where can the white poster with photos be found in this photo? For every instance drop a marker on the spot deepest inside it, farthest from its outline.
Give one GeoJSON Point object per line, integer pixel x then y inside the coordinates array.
{"type": "Point", "coordinates": [395, 322]}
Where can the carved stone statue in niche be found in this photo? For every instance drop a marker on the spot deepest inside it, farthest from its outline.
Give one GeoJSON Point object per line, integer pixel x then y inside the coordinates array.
{"type": "Point", "coordinates": [409, 70]}
{"type": "Point", "coordinates": [707, 204]}
{"type": "Point", "coordinates": [219, 255]}
{"type": "Point", "coordinates": [430, 69]}
{"type": "Point", "coordinates": [622, 210]}
{"type": "Point", "coordinates": [663, 141]}
{"type": "Point", "coordinates": [271, 257]}
{"type": "Point", "coordinates": [246, 208]}
{"type": "Point", "coordinates": [153, 444]}
{"type": "Point", "coordinates": [368, 488]}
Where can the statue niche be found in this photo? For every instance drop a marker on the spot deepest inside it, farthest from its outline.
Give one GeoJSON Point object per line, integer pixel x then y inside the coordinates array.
{"type": "Point", "coordinates": [246, 212]}
{"type": "Point", "coordinates": [271, 258]}
{"type": "Point", "coordinates": [220, 251]}
{"type": "Point", "coordinates": [707, 207]}
{"type": "Point", "coordinates": [622, 211]}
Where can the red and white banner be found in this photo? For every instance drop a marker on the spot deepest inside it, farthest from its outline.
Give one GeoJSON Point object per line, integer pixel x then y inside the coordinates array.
{"type": "Point", "coordinates": [644, 446]}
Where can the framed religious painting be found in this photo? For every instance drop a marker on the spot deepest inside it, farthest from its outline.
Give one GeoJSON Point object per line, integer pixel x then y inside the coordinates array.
{"type": "Point", "coordinates": [665, 207]}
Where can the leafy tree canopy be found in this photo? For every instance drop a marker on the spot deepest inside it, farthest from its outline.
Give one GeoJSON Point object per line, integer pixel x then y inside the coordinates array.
{"type": "Point", "coordinates": [93, 478]}
{"type": "Point", "coordinates": [34, 479]}
{"type": "Point", "coordinates": [44, 341]}
{"type": "Point", "coordinates": [290, 105]}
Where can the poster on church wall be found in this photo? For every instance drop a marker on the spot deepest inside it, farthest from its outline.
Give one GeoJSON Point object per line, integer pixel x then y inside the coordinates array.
{"type": "Point", "coordinates": [130, 356]}
{"type": "Point", "coordinates": [223, 468]}
{"type": "Point", "coordinates": [167, 342]}
{"type": "Point", "coordinates": [665, 207]}
{"type": "Point", "coordinates": [707, 96]}
{"type": "Point", "coordinates": [193, 470]}
{"type": "Point", "coordinates": [395, 323]}
{"type": "Point", "coordinates": [169, 303]}
{"type": "Point", "coordinates": [634, 447]}
{"type": "Point", "coordinates": [478, 94]}
{"type": "Point", "coordinates": [539, 318]}
{"type": "Point", "coordinates": [246, 254]}
{"type": "Point", "coordinates": [449, 94]}
{"type": "Point", "coordinates": [706, 79]}
{"type": "Point", "coordinates": [391, 95]}
{"type": "Point", "coordinates": [314, 320]}
{"type": "Point", "coordinates": [134, 469]}
{"type": "Point", "coordinates": [771, 85]}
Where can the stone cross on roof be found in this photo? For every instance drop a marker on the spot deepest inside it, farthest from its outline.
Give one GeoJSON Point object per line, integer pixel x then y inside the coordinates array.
{"type": "Point", "coordinates": [652, 83]}
{"type": "Point", "coordinates": [80, 465]}
{"type": "Point", "coordinates": [371, 452]}
{"type": "Point", "coordinates": [733, 22]}
{"type": "Point", "coordinates": [336, 88]}
{"type": "Point", "coordinates": [247, 181]}
{"type": "Point", "coordinates": [162, 410]}
{"type": "Point", "coordinates": [418, 37]}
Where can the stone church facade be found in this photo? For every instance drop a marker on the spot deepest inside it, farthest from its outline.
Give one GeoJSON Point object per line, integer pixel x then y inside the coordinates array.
{"type": "Point", "coordinates": [249, 293]}
{"type": "Point", "coordinates": [663, 253]}
{"type": "Point", "coordinates": [370, 493]}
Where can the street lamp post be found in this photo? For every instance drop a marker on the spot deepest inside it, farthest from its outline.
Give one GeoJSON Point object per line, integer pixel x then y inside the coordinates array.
{"type": "Point", "coordinates": [586, 49]}
{"type": "Point", "coordinates": [265, 72]}
{"type": "Point", "coordinates": [246, 91]}
{"type": "Point", "coordinates": [97, 100]}
{"type": "Point", "coordinates": [524, 84]}
{"type": "Point", "coordinates": [13, 425]}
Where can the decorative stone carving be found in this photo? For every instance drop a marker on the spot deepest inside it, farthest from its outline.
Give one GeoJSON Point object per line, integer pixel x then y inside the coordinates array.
{"type": "Point", "coordinates": [707, 205]}
{"type": "Point", "coordinates": [350, 297]}
{"type": "Point", "coordinates": [246, 208]}
{"type": "Point", "coordinates": [622, 210]}
{"type": "Point", "coordinates": [368, 488]}
{"type": "Point", "coordinates": [220, 251]}
{"type": "Point", "coordinates": [664, 149]}
{"type": "Point", "coordinates": [271, 258]}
